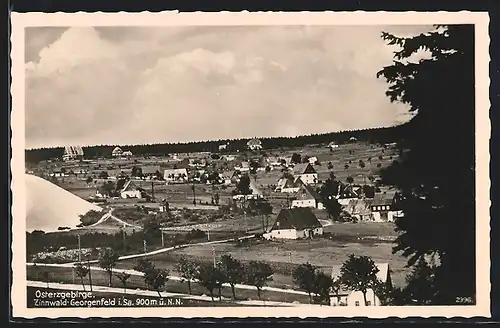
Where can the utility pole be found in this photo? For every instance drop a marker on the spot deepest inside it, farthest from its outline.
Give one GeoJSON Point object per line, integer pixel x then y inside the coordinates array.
{"type": "Point", "coordinates": [152, 190]}
{"type": "Point", "coordinates": [145, 247]}
{"type": "Point", "coordinates": [213, 253]}
{"type": "Point", "coordinates": [162, 238]}
{"type": "Point", "coordinates": [291, 266]}
{"type": "Point", "coordinates": [208, 234]}
{"type": "Point", "coordinates": [124, 238]}
{"type": "Point", "coordinates": [90, 272]}
{"type": "Point", "coordinates": [79, 249]}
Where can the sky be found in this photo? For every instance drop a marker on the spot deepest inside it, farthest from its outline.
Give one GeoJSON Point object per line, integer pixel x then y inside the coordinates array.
{"type": "Point", "coordinates": [136, 85]}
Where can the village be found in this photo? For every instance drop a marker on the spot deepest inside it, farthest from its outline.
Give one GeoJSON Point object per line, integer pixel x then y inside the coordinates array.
{"type": "Point", "coordinates": [310, 207]}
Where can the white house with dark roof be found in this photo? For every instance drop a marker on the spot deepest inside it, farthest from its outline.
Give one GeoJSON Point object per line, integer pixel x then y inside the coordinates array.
{"type": "Point", "coordinates": [384, 207]}
{"type": "Point", "coordinates": [355, 297]}
{"type": "Point", "coordinates": [306, 173]}
{"type": "Point", "coordinates": [295, 223]}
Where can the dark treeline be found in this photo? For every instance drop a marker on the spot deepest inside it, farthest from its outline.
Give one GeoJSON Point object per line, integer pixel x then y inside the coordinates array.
{"type": "Point", "coordinates": [373, 135]}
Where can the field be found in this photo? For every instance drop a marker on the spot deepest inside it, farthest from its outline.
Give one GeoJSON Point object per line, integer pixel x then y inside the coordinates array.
{"type": "Point", "coordinates": [339, 241]}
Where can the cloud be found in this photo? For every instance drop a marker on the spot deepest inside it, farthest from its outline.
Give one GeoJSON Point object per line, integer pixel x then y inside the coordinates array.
{"type": "Point", "coordinates": [168, 84]}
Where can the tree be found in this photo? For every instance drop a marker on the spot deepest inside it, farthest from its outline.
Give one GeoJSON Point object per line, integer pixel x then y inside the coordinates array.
{"type": "Point", "coordinates": [187, 270]}
{"type": "Point", "coordinates": [420, 284]}
{"type": "Point", "coordinates": [346, 167]}
{"type": "Point", "coordinates": [123, 277]}
{"type": "Point", "coordinates": [81, 271]}
{"type": "Point", "coordinates": [144, 266]}
{"type": "Point", "coordinates": [304, 276]}
{"type": "Point", "coordinates": [243, 186]}
{"type": "Point", "coordinates": [103, 175]}
{"type": "Point", "coordinates": [359, 274]}
{"type": "Point", "coordinates": [268, 169]}
{"type": "Point", "coordinates": [327, 192]}
{"type": "Point", "coordinates": [208, 277]}
{"type": "Point", "coordinates": [156, 279]}
{"type": "Point", "coordinates": [322, 286]}
{"type": "Point", "coordinates": [369, 191]}
{"type": "Point", "coordinates": [296, 159]}
{"type": "Point", "coordinates": [349, 180]}
{"type": "Point", "coordinates": [88, 180]}
{"type": "Point", "coordinates": [107, 260]}
{"type": "Point", "coordinates": [330, 165]}
{"type": "Point", "coordinates": [258, 274]}
{"type": "Point", "coordinates": [233, 270]}
{"type": "Point", "coordinates": [435, 202]}
{"type": "Point", "coordinates": [361, 164]}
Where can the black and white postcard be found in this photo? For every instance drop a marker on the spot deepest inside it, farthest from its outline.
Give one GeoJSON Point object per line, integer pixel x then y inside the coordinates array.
{"type": "Point", "coordinates": [250, 164]}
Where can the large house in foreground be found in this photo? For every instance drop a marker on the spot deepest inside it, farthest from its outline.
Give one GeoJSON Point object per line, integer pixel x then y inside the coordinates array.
{"type": "Point", "coordinates": [295, 223]}
{"type": "Point", "coordinates": [356, 298]}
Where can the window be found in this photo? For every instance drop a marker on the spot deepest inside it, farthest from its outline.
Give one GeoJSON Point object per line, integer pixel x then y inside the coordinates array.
{"type": "Point", "coordinates": [356, 303]}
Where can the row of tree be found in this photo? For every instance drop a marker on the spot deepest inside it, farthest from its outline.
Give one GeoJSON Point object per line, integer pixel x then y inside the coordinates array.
{"type": "Point", "coordinates": [372, 135]}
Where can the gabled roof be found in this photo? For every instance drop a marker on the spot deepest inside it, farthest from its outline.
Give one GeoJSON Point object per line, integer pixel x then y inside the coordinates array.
{"type": "Point", "coordinates": [308, 192]}
{"type": "Point", "coordinates": [130, 185]}
{"type": "Point", "coordinates": [299, 218]}
{"type": "Point", "coordinates": [384, 198]}
{"type": "Point", "coordinates": [303, 168]}
{"type": "Point", "coordinates": [117, 150]}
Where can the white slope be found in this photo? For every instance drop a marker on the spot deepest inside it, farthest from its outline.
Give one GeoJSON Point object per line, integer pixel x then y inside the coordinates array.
{"type": "Point", "coordinates": [49, 206]}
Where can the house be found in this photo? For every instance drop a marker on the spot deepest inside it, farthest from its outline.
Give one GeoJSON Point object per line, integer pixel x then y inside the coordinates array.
{"type": "Point", "coordinates": [175, 175]}
{"type": "Point", "coordinates": [356, 298]}
{"type": "Point", "coordinates": [130, 190]}
{"type": "Point", "coordinates": [273, 161]}
{"type": "Point", "coordinates": [295, 223]}
{"type": "Point", "coordinates": [360, 209]}
{"type": "Point", "coordinates": [223, 147]}
{"type": "Point", "coordinates": [312, 160]}
{"type": "Point", "coordinates": [151, 171]}
{"type": "Point", "coordinates": [332, 145]}
{"type": "Point", "coordinates": [307, 197]}
{"type": "Point", "coordinates": [127, 153]}
{"type": "Point", "coordinates": [229, 158]}
{"type": "Point", "coordinates": [254, 144]}
{"type": "Point", "coordinates": [288, 185]}
{"type": "Point", "coordinates": [385, 208]}
{"type": "Point", "coordinates": [306, 173]}
{"type": "Point", "coordinates": [353, 139]}
{"type": "Point", "coordinates": [72, 153]}
{"type": "Point", "coordinates": [58, 173]}
{"type": "Point", "coordinates": [117, 152]}
{"type": "Point", "coordinates": [348, 193]}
